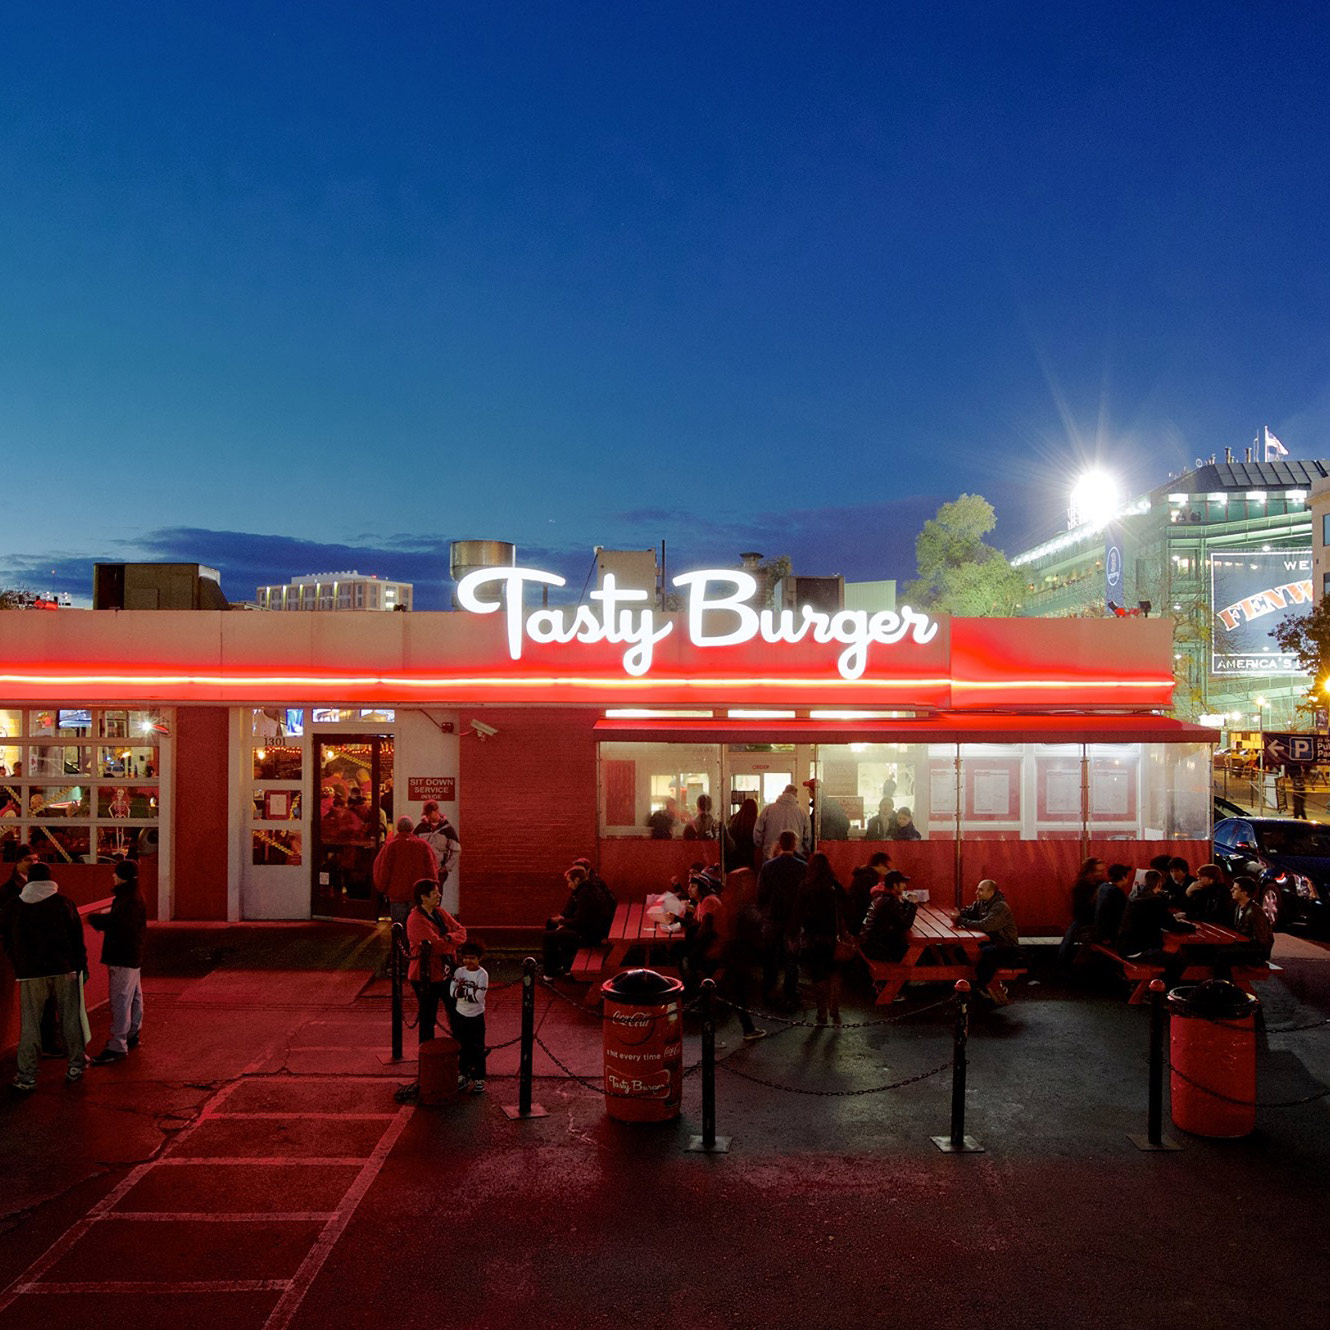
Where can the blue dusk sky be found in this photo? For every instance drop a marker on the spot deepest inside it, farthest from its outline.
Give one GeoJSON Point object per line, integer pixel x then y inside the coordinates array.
{"type": "Point", "coordinates": [298, 287]}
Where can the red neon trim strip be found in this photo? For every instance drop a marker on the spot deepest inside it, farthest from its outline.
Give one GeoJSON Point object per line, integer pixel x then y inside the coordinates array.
{"type": "Point", "coordinates": [626, 683]}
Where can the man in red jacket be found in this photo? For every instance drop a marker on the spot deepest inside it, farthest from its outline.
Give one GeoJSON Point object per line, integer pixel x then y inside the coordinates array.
{"type": "Point", "coordinates": [402, 863]}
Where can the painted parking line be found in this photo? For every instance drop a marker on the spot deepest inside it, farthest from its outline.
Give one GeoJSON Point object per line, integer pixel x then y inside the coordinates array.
{"type": "Point", "coordinates": [292, 1290]}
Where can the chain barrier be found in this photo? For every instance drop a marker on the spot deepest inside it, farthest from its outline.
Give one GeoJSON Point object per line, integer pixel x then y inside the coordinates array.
{"type": "Point", "coordinates": [791, 1023]}
{"type": "Point", "coordinates": [831, 1094]}
{"type": "Point", "coordinates": [1248, 1103]}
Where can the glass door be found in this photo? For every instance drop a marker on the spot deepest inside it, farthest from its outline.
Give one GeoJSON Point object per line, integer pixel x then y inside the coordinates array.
{"type": "Point", "coordinates": [355, 773]}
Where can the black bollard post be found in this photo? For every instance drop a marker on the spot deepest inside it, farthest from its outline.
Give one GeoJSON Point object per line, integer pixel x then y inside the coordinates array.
{"type": "Point", "coordinates": [527, 1049]}
{"type": "Point", "coordinates": [958, 1143]}
{"type": "Point", "coordinates": [709, 1142]}
{"type": "Point", "coordinates": [428, 1002]}
{"type": "Point", "coordinates": [1154, 1134]}
{"type": "Point", "coordinates": [395, 948]}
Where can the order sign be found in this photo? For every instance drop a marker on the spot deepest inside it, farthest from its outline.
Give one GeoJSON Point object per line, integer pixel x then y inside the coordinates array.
{"type": "Point", "coordinates": [442, 788]}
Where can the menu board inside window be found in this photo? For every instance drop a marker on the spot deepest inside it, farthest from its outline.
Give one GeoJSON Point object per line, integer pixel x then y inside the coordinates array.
{"type": "Point", "coordinates": [941, 790]}
{"type": "Point", "coordinates": [992, 789]}
{"type": "Point", "coordinates": [1113, 788]}
{"type": "Point", "coordinates": [1059, 789]}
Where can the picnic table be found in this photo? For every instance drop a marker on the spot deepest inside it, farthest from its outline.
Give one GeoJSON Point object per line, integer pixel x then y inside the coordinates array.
{"type": "Point", "coordinates": [936, 950]}
{"type": "Point", "coordinates": [630, 928]}
{"type": "Point", "coordinates": [1208, 936]}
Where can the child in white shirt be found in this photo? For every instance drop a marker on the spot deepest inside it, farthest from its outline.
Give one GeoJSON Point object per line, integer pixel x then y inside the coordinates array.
{"type": "Point", "coordinates": [469, 985]}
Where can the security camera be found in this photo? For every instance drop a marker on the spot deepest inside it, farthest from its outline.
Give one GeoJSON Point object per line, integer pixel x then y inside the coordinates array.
{"type": "Point", "coordinates": [483, 731]}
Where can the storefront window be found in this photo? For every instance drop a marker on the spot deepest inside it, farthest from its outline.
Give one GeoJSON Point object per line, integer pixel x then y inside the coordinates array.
{"type": "Point", "coordinates": [277, 722]}
{"type": "Point", "coordinates": [278, 762]}
{"type": "Point", "coordinates": [276, 847]}
{"type": "Point", "coordinates": [652, 789]}
{"type": "Point", "coordinates": [862, 787]}
{"type": "Point", "coordinates": [125, 761]}
{"type": "Point", "coordinates": [336, 716]}
{"type": "Point", "coordinates": [59, 801]}
{"type": "Point", "coordinates": [59, 760]}
{"type": "Point", "coordinates": [122, 802]}
{"type": "Point", "coordinates": [74, 802]}
{"type": "Point", "coordinates": [1177, 792]}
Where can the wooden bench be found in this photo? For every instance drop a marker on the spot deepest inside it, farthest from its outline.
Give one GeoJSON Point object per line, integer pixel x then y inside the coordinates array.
{"type": "Point", "coordinates": [590, 963]}
{"type": "Point", "coordinates": [1140, 973]}
{"type": "Point", "coordinates": [890, 977]}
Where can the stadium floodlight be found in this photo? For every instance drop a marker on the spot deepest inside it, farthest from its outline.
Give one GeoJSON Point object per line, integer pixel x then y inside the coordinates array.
{"type": "Point", "coordinates": [1094, 501]}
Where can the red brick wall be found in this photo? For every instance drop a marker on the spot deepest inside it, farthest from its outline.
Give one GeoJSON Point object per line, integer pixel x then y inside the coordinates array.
{"type": "Point", "coordinates": [526, 810]}
{"type": "Point", "coordinates": [199, 804]}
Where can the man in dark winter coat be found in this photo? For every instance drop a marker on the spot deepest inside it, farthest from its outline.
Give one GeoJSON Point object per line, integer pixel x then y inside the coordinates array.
{"type": "Point", "coordinates": [883, 937]}
{"type": "Point", "coordinates": [43, 936]}
{"type": "Point", "coordinates": [584, 922]}
{"type": "Point", "coordinates": [124, 928]}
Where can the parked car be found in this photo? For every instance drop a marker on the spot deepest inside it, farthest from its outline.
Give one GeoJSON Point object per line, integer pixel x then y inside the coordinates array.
{"type": "Point", "coordinates": [1289, 857]}
{"type": "Point", "coordinates": [1227, 808]}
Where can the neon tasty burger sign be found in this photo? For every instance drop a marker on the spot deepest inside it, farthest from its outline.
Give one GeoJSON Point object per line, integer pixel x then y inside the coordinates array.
{"type": "Point", "coordinates": [621, 616]}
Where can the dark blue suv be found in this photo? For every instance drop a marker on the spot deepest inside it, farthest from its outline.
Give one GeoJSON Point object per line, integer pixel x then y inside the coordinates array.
{"type": "Point", "coordinates": [1292, 859]}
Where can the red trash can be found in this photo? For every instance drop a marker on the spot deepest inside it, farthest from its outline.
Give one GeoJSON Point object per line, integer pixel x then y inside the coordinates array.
{"type": "Point", "coordinates": [1212, 1047]}
{"type": "Point", "coordinates": [643, 1042]}
{"type": "Point", "coordinates": [437, 1071]}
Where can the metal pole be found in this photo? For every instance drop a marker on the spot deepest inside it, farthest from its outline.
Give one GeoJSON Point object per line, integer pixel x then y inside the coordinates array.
{"type": "Point", "coordinates": [526, 1050]}
{"type": "Point", "coordinates": [1154, 1136]}
{"type": "Point", "coordinates": [427, 1002]}
{"type": "Point", "coordinates": [396, 945]}
{"type": "Point", "coordinates": [709, 1142]}
{"type": "Point", "coordinates": [708, 1066]}
{"type": "Point", "coordinates": [958, 1143]}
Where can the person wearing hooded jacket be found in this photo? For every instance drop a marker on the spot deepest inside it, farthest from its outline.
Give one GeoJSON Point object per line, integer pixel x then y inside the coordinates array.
{"type": "Point", "coordinates": [43, 936]}
{"type": "Point", "coordinates": [124, 929]}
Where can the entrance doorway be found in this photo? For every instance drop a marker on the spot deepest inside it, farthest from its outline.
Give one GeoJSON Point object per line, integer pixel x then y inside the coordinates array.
{"type": "Point", "coordinates": [763, 775]}
{"type": "Point", "coordinates": [355, 775]}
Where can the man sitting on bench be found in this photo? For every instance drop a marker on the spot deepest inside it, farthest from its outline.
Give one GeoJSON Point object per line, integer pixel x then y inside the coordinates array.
{"type": "Point", "coordinates": [991, 914]}
{"type": "Point", "coordinates": [1249, 920]}
{"type": "Point", "coordinates": [585, 920]}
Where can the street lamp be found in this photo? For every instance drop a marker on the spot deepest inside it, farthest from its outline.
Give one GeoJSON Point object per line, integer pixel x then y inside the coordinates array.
{"type": "Point", "coordinates": [1260, 725]}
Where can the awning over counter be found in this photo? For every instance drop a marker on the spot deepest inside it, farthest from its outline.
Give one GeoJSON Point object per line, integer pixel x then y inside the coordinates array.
{"type": "Point", "coordinates": [941, 728]}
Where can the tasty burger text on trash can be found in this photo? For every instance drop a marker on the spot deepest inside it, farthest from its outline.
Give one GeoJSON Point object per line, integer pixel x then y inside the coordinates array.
{"type": "Point", "coordinates": [1212, 1050]}
{"type": "Point", "coordinates": [643, 1040]}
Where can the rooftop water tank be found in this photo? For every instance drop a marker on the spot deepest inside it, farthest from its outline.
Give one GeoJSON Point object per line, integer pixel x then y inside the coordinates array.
{"type": "Point", "coordinates": [466, 556]}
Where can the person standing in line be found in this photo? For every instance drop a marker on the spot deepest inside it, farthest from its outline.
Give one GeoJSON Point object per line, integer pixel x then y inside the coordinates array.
{"type": "Point", "coordinates": [403, 862]}
{"type": "Point", "coordinates": [124, 929]}
{"type": "Point", "coordinates": [43, 936]}
{"type": "Point", "coordinates": [777, 898]}
{"type": "Point", "coordinates": [441, 836]}
{"type": "Point", "coordinates": [741, 834]}
{"type": "Point", "coordinates": [991, 914]}
{"type": "Point", "coordinates": [821, 914]}
{"type": "Point", "coordinates": [429, 922]}
{"type": "Point", "coordinates": [470, 983]}
{"type": "Point", "coordinates": [783, 814]}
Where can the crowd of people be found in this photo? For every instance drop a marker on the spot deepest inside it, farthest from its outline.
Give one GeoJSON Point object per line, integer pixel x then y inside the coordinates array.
{"type": "Point", "coordinates": [750, 836]}
{"type": "Point", "coordinates": [1128, 911]}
